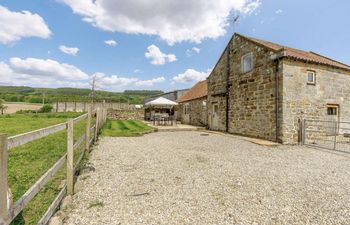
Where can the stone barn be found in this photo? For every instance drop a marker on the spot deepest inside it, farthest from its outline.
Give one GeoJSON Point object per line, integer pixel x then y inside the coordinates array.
{"type": "Point", "coordinates": [262, 89]}
{"type": "Point", "coordinates": [193, 105]}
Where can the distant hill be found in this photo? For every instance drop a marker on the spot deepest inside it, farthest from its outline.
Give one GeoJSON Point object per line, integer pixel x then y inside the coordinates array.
{"type": "Point", "coordinates": [35, 95]}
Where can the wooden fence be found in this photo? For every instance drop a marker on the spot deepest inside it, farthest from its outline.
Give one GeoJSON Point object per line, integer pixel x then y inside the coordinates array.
{"type": "Point", "coordinates": [83, 106]}
{"type": "Point", "coordinates": [8, 213]}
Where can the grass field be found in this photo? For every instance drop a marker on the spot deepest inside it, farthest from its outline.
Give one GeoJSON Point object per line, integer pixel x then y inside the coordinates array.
{"type": "Point", "coordinates": [21, 123]}
{"type": "Point", "coordinates": [124, 128]}
{"type": "Point", "coordinates": [27, 163]}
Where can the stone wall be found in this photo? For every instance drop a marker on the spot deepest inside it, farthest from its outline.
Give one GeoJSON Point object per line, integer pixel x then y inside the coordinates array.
{"type": "Point", "coordinates": [83, 106]}
{"type": "Point", "coordinates": [136, 114]}
{"type": "Point", "coordinates": [252, 95]}
{"type": "Point", "coordinates": [196, 114]}
{"type": "Point", "coordinates": [305, 101]}
{"type": "Point", "coordinates": [216, 89]}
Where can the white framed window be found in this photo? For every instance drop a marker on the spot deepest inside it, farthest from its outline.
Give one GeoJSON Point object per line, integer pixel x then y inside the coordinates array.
{"type": "Point", "coordinates": [215, 109]}
{"type": "Point", "coordinates": [247, 62]}
{"type": "Point", "coordinates": [311, 77]}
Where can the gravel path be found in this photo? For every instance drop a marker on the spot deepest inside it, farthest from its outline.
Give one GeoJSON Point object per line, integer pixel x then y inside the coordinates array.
{"type": "Point", "coordinates": [186, 178]}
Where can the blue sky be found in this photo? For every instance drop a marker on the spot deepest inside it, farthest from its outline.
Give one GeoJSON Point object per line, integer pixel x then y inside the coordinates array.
{"type": "Point", "coordinates": [184, 39]}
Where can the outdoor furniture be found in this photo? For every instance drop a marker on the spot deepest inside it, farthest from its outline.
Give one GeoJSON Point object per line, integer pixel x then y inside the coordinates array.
{"type": "Point", "coordinates": [163, 120]}
{"type": "Point", "coordinates": [161, 111]}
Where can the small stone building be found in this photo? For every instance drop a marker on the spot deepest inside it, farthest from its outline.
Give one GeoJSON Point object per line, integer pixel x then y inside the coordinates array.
{"type": "Point", "coordinates": [262, 89]}
{"type": "Point", "coordinates": [193, 105]}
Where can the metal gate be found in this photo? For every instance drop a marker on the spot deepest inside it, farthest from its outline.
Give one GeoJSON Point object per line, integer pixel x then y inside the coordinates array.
{"type": "Point", "coordinates": [332, 135]}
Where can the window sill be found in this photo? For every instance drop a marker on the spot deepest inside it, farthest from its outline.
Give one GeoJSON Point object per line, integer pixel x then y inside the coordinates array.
{"type": "Point", "coordinates": [244, 73]}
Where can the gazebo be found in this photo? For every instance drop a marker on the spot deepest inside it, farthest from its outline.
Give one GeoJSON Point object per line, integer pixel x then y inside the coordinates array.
{"type": "Point", "coordinates": [160, 109]}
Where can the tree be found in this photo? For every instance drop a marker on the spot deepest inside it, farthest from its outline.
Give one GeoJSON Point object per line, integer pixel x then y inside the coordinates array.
{"type": "Point", "coordinates": [47, 108]}
{"type": "Point", "coordinates": [2, 106]}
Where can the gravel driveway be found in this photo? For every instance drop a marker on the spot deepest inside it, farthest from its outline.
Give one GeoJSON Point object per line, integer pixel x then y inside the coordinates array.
{"type": "Point", "coordinates": [186, 178]}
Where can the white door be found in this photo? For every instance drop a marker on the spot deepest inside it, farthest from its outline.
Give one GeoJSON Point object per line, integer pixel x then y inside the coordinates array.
{"type": "Point", "coordinates": [186, 114]}
{"type": "Point", "coordinates": [215, 117]}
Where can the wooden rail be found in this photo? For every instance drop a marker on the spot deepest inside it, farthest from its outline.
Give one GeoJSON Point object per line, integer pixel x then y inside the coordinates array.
{"type": "Point", "coordinates": [47, 216]}
{"type": "Point", "coordinates": [30, 194]}
{"type": "Point", "coordinates": [80, 118]}
{"type": "Point", "coordinates": [22, 139]}
{"type": "Point", "coordinates": [7, 213]}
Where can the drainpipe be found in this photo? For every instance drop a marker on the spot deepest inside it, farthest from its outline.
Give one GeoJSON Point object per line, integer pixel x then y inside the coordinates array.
{"type": "Point", "coordinates": [228, 85]}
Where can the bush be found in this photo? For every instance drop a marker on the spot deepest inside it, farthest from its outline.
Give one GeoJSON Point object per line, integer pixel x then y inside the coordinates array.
{"type": "Point", "coordinates": [23, 111]}
{"type": "Point", "coordinates": [46, 108]}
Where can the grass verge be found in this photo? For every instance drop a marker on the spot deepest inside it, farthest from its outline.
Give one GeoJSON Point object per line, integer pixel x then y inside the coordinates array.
{"type": "Point", "coordinates": [125, 128]}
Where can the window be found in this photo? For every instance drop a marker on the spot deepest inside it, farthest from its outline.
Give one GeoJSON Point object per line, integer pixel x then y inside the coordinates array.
{"type": "Point", "coordinates": [247, 63]}
{"type": "Point", "coordinates": [332, 110]}
{"type": "Point", "coordinates": [311, 77]}
{"type": "Point", "coordinates": [215, 109]}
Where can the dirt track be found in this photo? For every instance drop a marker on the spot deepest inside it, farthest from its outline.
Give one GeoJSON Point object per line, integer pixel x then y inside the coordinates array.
{"type": "Point", "coordinates": [14, 107]}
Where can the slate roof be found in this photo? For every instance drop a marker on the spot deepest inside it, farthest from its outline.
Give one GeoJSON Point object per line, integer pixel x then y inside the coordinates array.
{"type": "Point", "coordinates": [297, 54]}
{"type": "Point", "coordinates": [199, 90]}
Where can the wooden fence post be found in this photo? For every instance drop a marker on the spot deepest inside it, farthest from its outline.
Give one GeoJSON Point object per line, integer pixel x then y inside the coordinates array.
{"type": "Point", "coordinates": [75, 106]}
{"type": "Point", "coordinates": [97, 123]}
{"type": "Point", "coordinates": [106, 113]}
{"type": "Point", "coordinates": [70, 157]}
{"type": "Point", "coordinates": [4, 213]}
{"type": "Point", "coordinates": [103, 117]}
{"type": "Point", "coordinates": [65, 107]}
{"type": "Point", "coordinates": [88, 125]}
{"type": "Point", "coordinates": [103, 111]}
{"type": "Point", "coordinates": [56, 106]}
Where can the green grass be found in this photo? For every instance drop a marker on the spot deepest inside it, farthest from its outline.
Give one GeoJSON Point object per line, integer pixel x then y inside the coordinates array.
{"type": "Point", "coordinates": [125, 128]}
{"type": "Point", "coordinates": [27, 163]}
{"type": "Point", "coordinates": [21, 123]}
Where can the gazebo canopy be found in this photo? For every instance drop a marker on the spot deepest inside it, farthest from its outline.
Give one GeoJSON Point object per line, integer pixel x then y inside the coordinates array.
{"type": "Point", "coordinates": [162, 102]}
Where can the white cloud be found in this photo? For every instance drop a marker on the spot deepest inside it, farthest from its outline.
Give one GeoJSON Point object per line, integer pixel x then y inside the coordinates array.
{"type": "Point", "coordinates": [46, 68]}
{"type": "Point", "coordinates": [50, 73]}
{"type": "Point", "coordinates": [279, 11]}
{"type": "Point", "coordinates": [157, 57]}
{"type": "Point", "coordinates": [69, 50]}
{"type": "Point", "coordinates": [106, 81]}
{"type": "Point", "coordinates": [196, 50]}
{"type": "Point", "coordinates": [137, 71]}
{"type": "Point", "coordinates": [41, 73]}
{"type": "Point", "coordinates": [114, 81]}
{"type": "Point", "coordinates": [150, 82]}
{"type": "Point", "coordinates": [111, 43]}
{"type": "Point", "coordinates": [172, 21]}
{"type": "Point", "coordinates": [191, 75]}
{"type": "Point", "coordinates": [190, 52]}
{"type": "Point", "coordinates": [17, 25]}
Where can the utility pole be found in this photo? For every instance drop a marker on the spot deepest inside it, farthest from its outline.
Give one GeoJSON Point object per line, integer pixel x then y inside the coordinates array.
{"type": "Point", "coordinates": [43, 98]}
{"type": "Point", "coordinates": [93, 88]}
